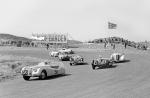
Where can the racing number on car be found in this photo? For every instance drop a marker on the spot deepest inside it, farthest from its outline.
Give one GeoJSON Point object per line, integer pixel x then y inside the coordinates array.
{"type": "Point", "coordinates": [56, 71]}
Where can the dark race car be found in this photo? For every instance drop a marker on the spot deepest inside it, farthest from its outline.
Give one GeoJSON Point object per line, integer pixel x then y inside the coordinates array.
{"type": "Point", "coordinates": [102, 63]}
{"type": "Point", "coordinates": [74, 60]}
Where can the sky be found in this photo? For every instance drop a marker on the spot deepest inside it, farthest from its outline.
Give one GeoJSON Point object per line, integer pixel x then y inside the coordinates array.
{"type": "Point", "coordinates": [82, 19]}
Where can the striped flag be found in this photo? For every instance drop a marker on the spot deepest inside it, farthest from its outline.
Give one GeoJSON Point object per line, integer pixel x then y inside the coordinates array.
{"type": "Point", "coordinates": [112, 25]}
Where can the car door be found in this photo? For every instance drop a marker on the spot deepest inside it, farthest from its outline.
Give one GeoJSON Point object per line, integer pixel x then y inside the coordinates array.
{"type": "Point", "coordinates": [50, 71]}
{"type": "Point", "coordinates": [55, 70]}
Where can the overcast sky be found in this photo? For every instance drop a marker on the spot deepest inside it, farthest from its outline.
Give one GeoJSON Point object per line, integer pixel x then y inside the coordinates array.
{"type": "Point", "coordinates": [82, 19]}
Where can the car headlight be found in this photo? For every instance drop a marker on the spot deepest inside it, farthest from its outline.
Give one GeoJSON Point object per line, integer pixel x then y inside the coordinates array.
{"type": "Point", "coordinates": [35, 69]}
{"type": "Point", "coordinates": [23, 69]}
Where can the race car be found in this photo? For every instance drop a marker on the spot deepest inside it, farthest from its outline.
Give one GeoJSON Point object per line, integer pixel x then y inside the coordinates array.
{"type": "Point", "coordinates": [117, 57]}
{"type": "Point", "coordinates": [101, 63]}
{"type": "Point", "coordinates": [54, 54]}
{"type": "Point", "coordinates": [76, 59]}
{"type": "Point", "coordinates": [69, 51]}
{"type": "Point", "coordinates": [43, 70]}
{"type": "Point", "coordinates": [64, 56]}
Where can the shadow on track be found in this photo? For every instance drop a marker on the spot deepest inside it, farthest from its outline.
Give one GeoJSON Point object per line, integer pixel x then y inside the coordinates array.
{"type": "Point", "coordinates": [50, 77]}
{"type": "Point", "coordinates": [113, 66]}
{"type": "Point", "coordinates": [125, 61]}
{"type": "Point", "coordinates": [80, 64]}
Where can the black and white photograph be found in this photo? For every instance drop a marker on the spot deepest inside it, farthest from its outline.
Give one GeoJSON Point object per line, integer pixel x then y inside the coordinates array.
{"type": "Point", "coordinates": [74, 48]}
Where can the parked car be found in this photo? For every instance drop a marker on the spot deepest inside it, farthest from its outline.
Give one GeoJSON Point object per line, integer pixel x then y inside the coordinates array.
{"type": "Point", "coordinates": [43, 70]}
{"type": "Point", "coordinates": [101, 63]}
{"type": "Point", "coordinates": [117, 57]}
{"type": "Point", "coordinates": [76, 60]}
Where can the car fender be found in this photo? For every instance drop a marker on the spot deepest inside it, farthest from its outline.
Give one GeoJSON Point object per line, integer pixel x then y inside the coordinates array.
{"type": "Point", "coordinates": [122, 58]}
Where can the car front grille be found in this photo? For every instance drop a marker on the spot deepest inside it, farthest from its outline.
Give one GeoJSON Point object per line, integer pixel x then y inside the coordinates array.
{"type": "Point", "coordinates": [25, 72]}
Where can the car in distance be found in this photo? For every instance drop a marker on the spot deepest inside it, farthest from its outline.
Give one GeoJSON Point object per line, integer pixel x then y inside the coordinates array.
{"type": "Point", "coordinates": [101, 63]}
{"type": "Point", "coordinates": [64, 56]}
{"type": "Point", "coordinates": [76, 59]}
{"type": "Point", "coordinates": [117, 57]}
{"type": "Point", "coordinates": [43, 70]}
{"type": "Point", "coordinates": [69, 51]}
{"type": "Point", "coordinates": [54, 53]}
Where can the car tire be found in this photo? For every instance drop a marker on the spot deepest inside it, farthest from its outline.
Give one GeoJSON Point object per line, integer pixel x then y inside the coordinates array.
{"type": "Point", "coordinates": [26, 77]}
{"type": "Point", "coordinates": [70, 64]}
{"type": "Point", "coordinates": [110, 64]}
{"type": "Point", "coordinates": [93, 66]}
{"type": "Point", "coordinates": [43, 75]}
{"type": "Point", "coordinates": [64, 73]}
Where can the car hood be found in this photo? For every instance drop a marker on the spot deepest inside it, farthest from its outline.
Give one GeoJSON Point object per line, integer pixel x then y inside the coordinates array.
{"type": "Point", "coordinates": [34, 67]}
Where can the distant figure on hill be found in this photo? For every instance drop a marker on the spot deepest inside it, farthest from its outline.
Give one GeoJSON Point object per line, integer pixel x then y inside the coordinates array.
{"type": "Point", "coordinates": [47, 46]}
{"type": "Point", "coordinates": [125, 45]}
{"type": "Point", "coordinates": [114, 46]}
{"type": "Point", "coordinates": [105, 44]}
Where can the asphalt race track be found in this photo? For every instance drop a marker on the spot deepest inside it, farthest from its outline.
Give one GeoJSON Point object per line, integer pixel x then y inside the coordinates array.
{"type": "Point", "coordinates": [130, 79]}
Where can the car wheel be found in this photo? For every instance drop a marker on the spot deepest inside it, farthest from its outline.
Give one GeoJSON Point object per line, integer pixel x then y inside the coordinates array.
{"type": "Point", "coordinates": [70, 64]}
{"type": "Point", "coordinates": [43, 75]}
{"type": "Point", "coordinates": [110, 64]}
{"type": "Point", "coordinates": [26, 77]}
{"type": "Point", "coordinates": [73, 63]}
{"type": "Point", "coordinates": [93, 66]}
{"type": "Point", "coordinates": [64, 73]}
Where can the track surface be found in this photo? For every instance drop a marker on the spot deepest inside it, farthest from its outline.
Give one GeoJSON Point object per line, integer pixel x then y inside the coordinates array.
{"type": "Point", "coordinates": [125, 80]}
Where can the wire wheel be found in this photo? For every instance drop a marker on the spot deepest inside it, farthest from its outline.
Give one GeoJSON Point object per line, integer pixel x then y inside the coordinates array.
{"type": "Point", "coordinates": [26, 77]}
{"type": "Point", "coordinates": [43, 75]}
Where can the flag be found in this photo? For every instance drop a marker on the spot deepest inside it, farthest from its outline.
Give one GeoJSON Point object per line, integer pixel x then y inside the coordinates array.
{"type": "Point", "coordinates": [112, 25]}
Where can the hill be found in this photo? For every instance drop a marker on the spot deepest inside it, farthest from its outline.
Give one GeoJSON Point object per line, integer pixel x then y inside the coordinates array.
{"type": "Point", "coordinates": [13, 37]}
{"type": "Point", "coordinates": [70, 42]}
{"type": "Point", "coordinates": [18, 38]}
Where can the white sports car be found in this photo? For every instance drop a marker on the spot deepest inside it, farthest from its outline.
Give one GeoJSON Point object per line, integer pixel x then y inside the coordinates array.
{"type": "Point", "coordinates": [43, 70]}
{"type": "Point", "coordinates": [117, 57]}
{"type": "Point", "coordinates": [69, 51]}
{"type": "Point", "coordinates": [54, 54]}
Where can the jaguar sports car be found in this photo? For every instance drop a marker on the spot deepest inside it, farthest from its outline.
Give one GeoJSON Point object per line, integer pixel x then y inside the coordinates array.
{"type": "Point", "coordinates": [43, 70]}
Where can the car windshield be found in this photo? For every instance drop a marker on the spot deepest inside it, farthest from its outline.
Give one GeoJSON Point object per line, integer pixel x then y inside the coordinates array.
{"type": "Point", "coordinates": [46, 63]}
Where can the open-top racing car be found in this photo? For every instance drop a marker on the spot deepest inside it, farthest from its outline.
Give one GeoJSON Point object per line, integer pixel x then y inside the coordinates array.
{"type": "Point", "coordinates": [76, 59]}
{"type": "Point", "coordinates": [117, 57]}
{"type": "Point", "coordinates": [102, 63]}
{"type": "Point", "coordinates": [43, 70]}
{"type": "Point", "coordinates": [64, 56]}
{"type": "Point", "coordinates": [69, 51]}
{"type": "Point", "coordinates": [54, 53]}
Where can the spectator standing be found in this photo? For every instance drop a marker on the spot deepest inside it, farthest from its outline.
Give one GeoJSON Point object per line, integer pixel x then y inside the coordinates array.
{"type": "Point", "coordinates": [47, 46]}
{"type": "Point", "coordinates": [105, 44]}
{"type": "Point", "coordinates": [114, 46]}
{"type": "Point", "coordinates": [125, 45]}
